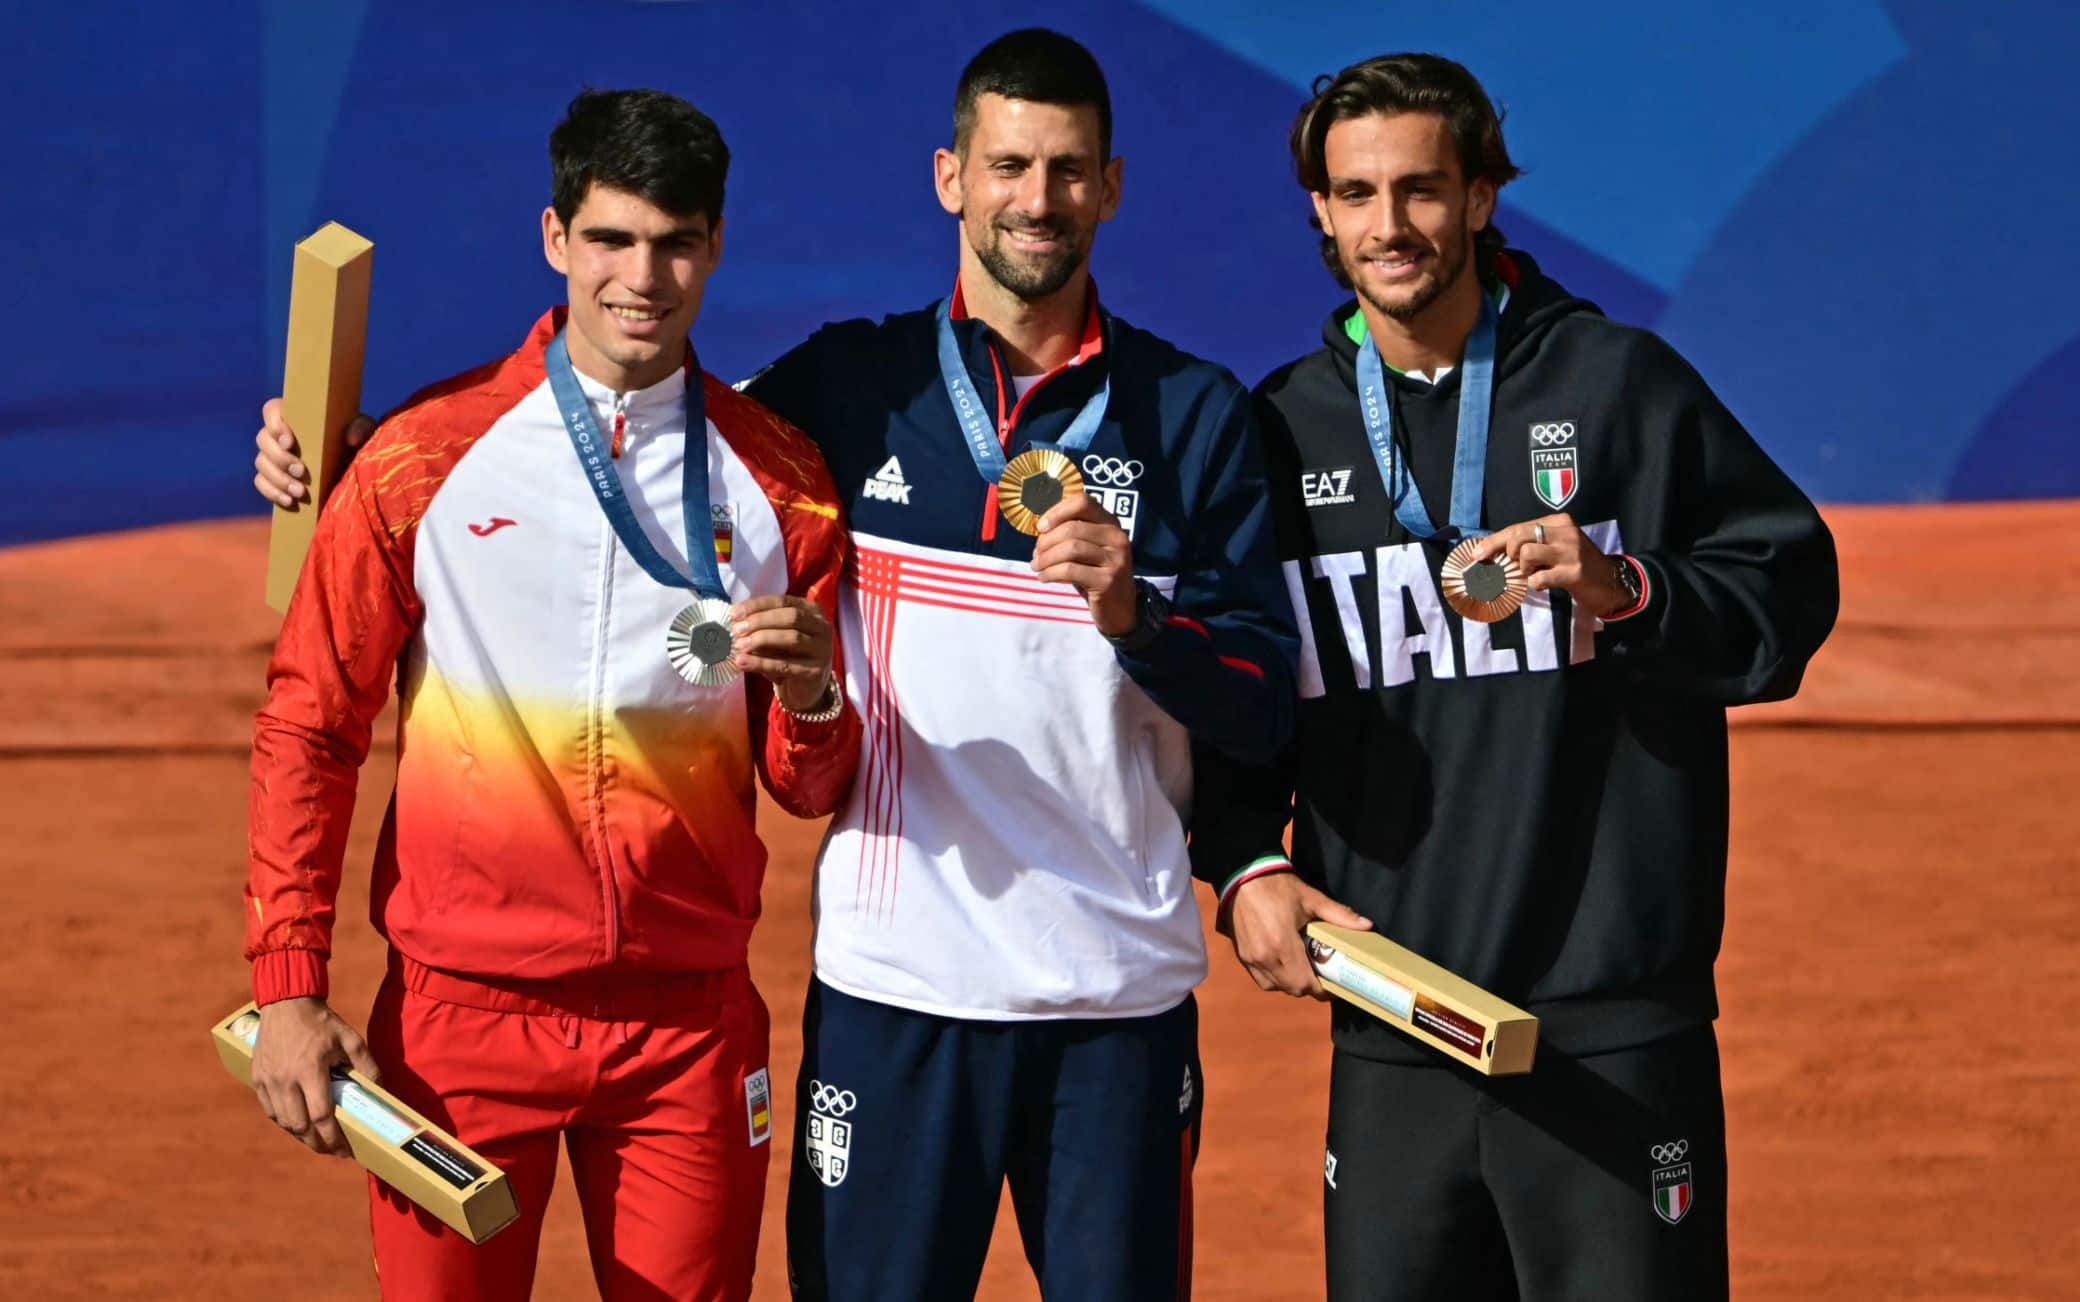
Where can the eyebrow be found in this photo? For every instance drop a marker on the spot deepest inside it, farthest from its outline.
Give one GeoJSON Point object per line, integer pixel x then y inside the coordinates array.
{"type": "Point", "coordinates": [616, 232]}
{"type": "Point", "coordinates": [1407, 178]}
{"type": "Point", "coordinates": [1051, 160]}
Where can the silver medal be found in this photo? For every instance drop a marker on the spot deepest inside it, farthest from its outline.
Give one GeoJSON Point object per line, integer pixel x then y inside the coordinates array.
{"type": "Point", "coordinates": [699, 644]}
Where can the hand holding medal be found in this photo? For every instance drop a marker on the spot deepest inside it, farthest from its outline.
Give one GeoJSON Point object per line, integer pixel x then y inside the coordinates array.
{"type": "Point", "coordinates": [1486, 577]}
{"type": "Point", "coordinates": [1479, 586]}
{"type": "Point", "coordinates": [1081, 544]}
{"type": "Point", "coordinates": [1548, 554]}
{"type": "Point", "coordinates": [787, 641]}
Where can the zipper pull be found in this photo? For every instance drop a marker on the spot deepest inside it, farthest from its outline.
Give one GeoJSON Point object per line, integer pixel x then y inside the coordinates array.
{"type": "Point", "coordinates": [620, 423]}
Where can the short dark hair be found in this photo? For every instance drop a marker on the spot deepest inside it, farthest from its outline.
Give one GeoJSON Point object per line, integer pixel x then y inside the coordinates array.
{"type": "Point", "coordinates": [1039, 66]}
{"type": "Point", "coordinates": [645, 142]}
{"type": "Point", "coordinates": [1406, 83]}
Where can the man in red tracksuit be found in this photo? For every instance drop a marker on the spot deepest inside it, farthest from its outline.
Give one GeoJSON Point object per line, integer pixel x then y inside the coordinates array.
{"type": "Point", "coordinates": [604, 584]}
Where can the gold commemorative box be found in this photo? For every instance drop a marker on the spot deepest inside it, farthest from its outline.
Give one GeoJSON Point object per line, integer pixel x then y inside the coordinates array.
{"type": "Point", "coordinates": [403, 1149]}
{"type": "Point", "coordinates": [321, 384]}
{"type": "Point", "coordinates": [1421, 999]}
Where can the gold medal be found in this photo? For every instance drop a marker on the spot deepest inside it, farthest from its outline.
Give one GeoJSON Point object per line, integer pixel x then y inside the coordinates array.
{"type": "Point", "coordinates": [1036, 479]}
{"type": "Point", "coordinates": [1481, 590]}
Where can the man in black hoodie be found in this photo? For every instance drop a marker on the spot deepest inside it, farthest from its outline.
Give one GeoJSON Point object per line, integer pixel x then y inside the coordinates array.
{"type": "Point", "coordinates": [1540, 803]}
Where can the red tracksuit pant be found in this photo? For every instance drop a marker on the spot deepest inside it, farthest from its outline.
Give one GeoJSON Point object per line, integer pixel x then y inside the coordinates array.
{"type": "Point", "coordinates": [656, 1085]}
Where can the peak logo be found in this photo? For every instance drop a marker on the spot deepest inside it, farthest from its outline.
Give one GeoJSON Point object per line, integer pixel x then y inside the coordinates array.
{"type": "Point", "coordinates": [1327, 487]}
{"type": "Point", "coordinates": [888, 485]}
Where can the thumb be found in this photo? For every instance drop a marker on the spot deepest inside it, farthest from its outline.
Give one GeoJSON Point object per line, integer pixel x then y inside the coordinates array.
{"type": "Point", "coordinates": [1336, 914]}
{"type": "Point", "coordinates": [358, 431]}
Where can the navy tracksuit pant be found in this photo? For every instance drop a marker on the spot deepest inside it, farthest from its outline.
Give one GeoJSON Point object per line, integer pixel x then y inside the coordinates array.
{"type": "Point", "coordinates": [907, 1126]}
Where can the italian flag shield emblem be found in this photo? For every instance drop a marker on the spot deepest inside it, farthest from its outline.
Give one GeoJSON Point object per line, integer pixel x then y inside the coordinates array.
{"type": "Point", "coordinates": [1672, 1192]}
{"type": "Point", "coordinates": [1553, 475]}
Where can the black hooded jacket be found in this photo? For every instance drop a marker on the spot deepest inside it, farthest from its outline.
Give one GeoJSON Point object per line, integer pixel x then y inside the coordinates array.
{"type": "Point", "coordinates": [1540, 804]}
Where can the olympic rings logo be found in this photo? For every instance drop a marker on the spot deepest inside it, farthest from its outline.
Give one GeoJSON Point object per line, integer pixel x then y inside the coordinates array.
{"type": "Point", "coordinates": [1109, 471]}
{"type": "Point", "coordinates": [831, 1099]}
{"type": "Point", "coordinates": [1548, 434]}
{"type": "Point", "coordinates": [1666, 1153]}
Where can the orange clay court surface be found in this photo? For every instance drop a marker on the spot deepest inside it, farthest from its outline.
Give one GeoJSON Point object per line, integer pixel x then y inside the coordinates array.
{"type": "Point", "coordinates": [1901, 975]}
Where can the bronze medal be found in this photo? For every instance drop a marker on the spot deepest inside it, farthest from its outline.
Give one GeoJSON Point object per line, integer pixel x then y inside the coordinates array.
{"type": "Point", "coordinates": [1032, 484]}
{"type": "Point", "coordinates": [1481, 590]}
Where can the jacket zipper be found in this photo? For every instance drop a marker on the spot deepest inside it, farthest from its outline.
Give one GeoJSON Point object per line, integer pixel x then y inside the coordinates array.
{"type": "Point", "coordinates": [595, 730]}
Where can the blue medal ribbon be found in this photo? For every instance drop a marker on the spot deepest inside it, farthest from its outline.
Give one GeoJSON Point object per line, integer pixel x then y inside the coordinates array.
{"type": "Point", "coordinates": [977, 427]}
{"type": "Point", "coordinates": [706, 579]}
{"type": "Point", "coordinates": [1469, 458]}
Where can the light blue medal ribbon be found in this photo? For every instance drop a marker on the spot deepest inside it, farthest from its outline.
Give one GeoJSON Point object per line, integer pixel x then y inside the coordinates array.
{"type": "Point", "coordinates": [979, 429]}
{"type": "Point", "coordinates": [698, 643]}
{"type": "Point", "coordinates": [1469, 458]}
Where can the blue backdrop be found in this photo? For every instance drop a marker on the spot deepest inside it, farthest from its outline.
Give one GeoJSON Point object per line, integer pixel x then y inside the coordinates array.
{"type": "Point", "coordinates": [1853, 217]}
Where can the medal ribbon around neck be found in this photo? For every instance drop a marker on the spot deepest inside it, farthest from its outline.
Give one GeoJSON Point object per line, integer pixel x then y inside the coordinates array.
{"type": "Point", "coordinates": [698, 641]}
{"type": "Point", "coordinates": [1469, 458]}
{"type": "Point", "coordinates": [979, 430]}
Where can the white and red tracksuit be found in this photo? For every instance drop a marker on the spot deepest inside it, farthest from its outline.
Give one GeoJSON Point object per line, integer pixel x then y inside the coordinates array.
{"type": "Point", "coordinates": [569, 870]}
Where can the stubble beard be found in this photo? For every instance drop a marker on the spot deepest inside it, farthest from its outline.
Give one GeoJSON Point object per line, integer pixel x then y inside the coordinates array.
{"type": "Point", "coordinates": [1407, 309]}
{"type": "Point", "coordinates": [1031, 281]}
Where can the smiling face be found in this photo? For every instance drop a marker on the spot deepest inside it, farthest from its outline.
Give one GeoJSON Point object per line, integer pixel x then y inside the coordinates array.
{"type": "Point", "coordinates": [635, 275]}
{"type": "Point", "coordinates": [1030, 186]}
{"type": "Point", "coordinates": [1400, 209]}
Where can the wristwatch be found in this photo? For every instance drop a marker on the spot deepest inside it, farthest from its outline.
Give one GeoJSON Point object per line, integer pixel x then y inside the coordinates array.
{"type": "Point", "coordinates": [1625, 573]}
{"type": "Point", "coordinates": [1151, 617]}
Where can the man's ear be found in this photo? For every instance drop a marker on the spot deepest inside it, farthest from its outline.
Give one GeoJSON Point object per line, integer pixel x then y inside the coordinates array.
{"type": "Point", "coordinates": [1480, 204]}
{"type": "Point", "coordinates": [554, 238]}
{"type": "Point", "coordinates": [1114, 170]}
{"type": "Point", "coordinates": [946, 180]}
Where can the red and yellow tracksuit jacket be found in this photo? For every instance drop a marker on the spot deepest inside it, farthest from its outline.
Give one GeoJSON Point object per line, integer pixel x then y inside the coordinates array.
{"type": "Point", "coordinates": [566, 803]}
